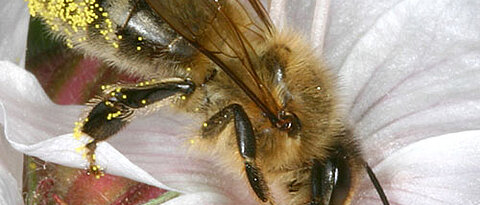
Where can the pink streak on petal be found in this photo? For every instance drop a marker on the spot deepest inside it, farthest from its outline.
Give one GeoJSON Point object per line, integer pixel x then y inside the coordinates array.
{"type": "Point", "coordinates": [85, 72]}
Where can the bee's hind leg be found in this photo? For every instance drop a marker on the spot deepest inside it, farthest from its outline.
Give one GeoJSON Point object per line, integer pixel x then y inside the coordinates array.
{"type": "Point", "coordinates": [117, 106]}
{"type": "Point", "coordinates": [246, 144]}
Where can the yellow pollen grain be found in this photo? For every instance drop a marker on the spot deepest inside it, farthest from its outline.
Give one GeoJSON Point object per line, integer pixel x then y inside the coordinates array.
{"type": "Point", "coordinates": [183, 97]}
{"type": "Point", "coordinates": [32, 165]}
{"type": "Point", "coordinates": [109, 117]}
{"type": "Point", "coordinates": [120, 37]}
{"type": "Point", "coordinates": [97, 176]}
{"type": "Point", "coordinates": [79, 149]}
{"type": "Point", "coordinates": [70, 14]}
{"type": "Point", "coordinates": [115, 45]}
{"type": "Point", "coordinates": [141, 84]}
{"type": "Point", "coordinates": [118, 90]}
{"type": "Point", "coordinates": [112, 94]}
{"type": "Point", "coordinates": [77, 135]}
{"type": "Point", "coordinates": [139, 48]}
{"type": "Point", "coordinates": [115, 115]}
{"type": "Point", "coordinates": [189, 69]}
{"type": "Point", "coordinates": [205, 124]}
{"type": "Point", "coordinates": [147, 83]}
{"type": "Point", "coordinates": [192, 141]}
{"type": "Point", "coordinates": [86, 119]}
{"type": "Point", "coordinates": [197, 109]}
{"type": "Point", "coordinates": [140, 38]}
{"type": "Point", "coordinates": [94, 157]}
{"type": "Point", "coordinates": [124, 96]}
{"type": "Point", "coordinates": [144, 102]}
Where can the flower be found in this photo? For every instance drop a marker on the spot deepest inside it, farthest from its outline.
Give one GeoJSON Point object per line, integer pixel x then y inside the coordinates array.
{"type": "Point", "coordinates": [409, 70]}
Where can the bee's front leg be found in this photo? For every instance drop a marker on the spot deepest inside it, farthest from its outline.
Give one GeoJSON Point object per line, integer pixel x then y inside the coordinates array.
{"type": "Point", "coordinates": [118, 105]}
{"type": "Point", "coordinates": [246, 144]}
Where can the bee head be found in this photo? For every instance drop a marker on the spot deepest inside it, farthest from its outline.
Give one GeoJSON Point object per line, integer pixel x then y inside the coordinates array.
{"type": "Point", "coordinates": [303, 86]}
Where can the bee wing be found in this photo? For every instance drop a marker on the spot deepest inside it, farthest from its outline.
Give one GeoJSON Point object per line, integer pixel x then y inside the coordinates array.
{"type": "Point", "coordinates": [224, 31]}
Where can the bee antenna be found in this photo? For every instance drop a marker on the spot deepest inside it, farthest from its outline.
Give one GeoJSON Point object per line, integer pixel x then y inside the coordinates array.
{"type": "Point", "coordinates": [377, 185]}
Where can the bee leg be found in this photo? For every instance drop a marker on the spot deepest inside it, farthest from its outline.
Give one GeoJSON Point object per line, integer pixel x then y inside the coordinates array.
{"type": "Point", "coordinates": [323, 180]}
{"type": "Point", "coordinates": [100, 125]}
{"type": "Point", "coordinates": [117, 107]}
{"type": "Point", "coordinates": [246, 143]}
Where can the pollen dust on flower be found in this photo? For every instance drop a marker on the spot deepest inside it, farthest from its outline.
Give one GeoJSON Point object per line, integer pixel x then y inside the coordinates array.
{"type": "Point", "coordinates": [96, 171]}
{"type": "Point", "coordinates": [77, 130]}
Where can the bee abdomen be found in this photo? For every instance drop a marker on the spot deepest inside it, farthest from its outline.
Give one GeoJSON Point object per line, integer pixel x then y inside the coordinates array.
{"type": "Point", "coordinates": [143, 31]}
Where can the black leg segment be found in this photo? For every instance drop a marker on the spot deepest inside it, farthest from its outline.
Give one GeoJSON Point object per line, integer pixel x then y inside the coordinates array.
{"type": "Point", "coordinates": [323, 181]}
{"type": "Point", "coordinates": [246, 143]}
{"type": "Point", "coordinates": [247, 146]}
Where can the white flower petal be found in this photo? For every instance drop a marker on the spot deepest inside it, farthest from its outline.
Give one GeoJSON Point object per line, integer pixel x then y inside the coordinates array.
{"type": "Point", "coordinates": [14, 27]}
{"type": "Point", "coordinates": [306, 17]}
{"type": "Point", "coordinates": [410, 68]}
{"type": "Point", "coordinates": [201, 198]}
{"type": "Point", "coordinates": [10, 173]}
{"type": "Point", "coordinates": [438, 170]}
{"type": "Point", "coordinates": [9, 194]}
{"type": "Point", "coordinates": [14, 24]}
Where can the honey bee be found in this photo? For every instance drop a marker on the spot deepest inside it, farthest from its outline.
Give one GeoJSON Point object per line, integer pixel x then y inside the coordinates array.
{"type": "Point", "coordinates": [271, 107]}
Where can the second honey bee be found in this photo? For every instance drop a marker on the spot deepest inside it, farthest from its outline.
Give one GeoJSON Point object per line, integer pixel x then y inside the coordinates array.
{"type": "Point", "coordinates": [270, 105]}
